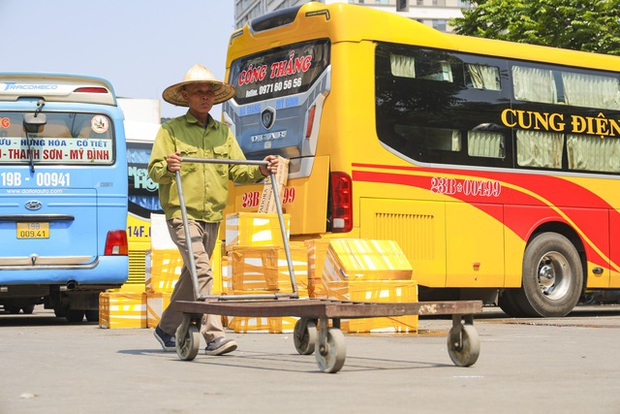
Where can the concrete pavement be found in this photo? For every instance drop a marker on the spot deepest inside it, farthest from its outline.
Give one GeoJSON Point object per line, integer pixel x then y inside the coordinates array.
{"type": "Point", "coordinates": [568, 365]}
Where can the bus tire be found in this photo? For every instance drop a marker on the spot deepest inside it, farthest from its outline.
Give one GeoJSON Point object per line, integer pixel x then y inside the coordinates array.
{"type": "Point", "coordinates": [508, 302]}
{"type": "Point", "coordinates": [552, 277]}
{"type": "Point", "coordinates": [28, 309]}
{"type": "Point", "coordinates": [75, 315]}
{"type": "Point", "coordinates": [92, 315]}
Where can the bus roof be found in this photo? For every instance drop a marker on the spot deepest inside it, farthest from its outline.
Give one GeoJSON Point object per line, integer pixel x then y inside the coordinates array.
{"type": "Point", "coordinates": [54, 87]}
{"type": "Point", "coordinates": [352, 23]}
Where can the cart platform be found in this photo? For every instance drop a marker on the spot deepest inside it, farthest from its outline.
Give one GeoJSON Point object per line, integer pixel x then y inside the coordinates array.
{"type": "Point", "coordinates": [328, 343]}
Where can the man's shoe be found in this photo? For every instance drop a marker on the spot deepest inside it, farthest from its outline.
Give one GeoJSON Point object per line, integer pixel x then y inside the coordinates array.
{"type": "Point", "coordinates": [167, 341]}
{"type": "Point", "coordinates": [220, 346]}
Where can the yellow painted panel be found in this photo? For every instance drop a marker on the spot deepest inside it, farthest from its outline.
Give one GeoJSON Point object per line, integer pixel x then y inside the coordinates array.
{"type": "Point", "coordinates": [475, 245]}
{"type": "Point", "coordinates": [419, 229]}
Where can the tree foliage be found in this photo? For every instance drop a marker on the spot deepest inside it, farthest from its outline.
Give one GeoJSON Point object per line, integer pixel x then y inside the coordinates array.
{"type": "Point", "coordinates": [592, 26]}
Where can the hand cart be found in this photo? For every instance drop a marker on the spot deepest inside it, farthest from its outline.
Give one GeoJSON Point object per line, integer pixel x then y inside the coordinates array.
{"type": "Point", "coordinates": [312, 332]}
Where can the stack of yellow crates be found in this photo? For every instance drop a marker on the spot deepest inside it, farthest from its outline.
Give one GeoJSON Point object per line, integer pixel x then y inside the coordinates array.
{"type": "Point", "coordinates": [255, 263]}
{"type": "Point", "coordinates": [370, 271]}
{"type": "Point", "coordinates": [122, 310]}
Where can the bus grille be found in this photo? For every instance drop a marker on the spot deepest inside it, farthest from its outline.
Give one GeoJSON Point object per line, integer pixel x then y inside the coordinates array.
{"type": "Point", "coordinates": [415, 233]}
{"type": "Point", "coordinates": [137, 267]}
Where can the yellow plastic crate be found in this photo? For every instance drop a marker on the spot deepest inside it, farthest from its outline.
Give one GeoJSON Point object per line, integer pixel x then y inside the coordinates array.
{"type": "Point", "coordinates": [166, 266]}
{"type": "Point", "coordinates": [254, 268]}
{"type": "Point", "coordinates": [381, 291]}
{"type": "Point", "coordinates": [255, 229]}
{"type": "Point", "coordinates": [363, 259]}
{"type": "Point", "coordinates": [299, 256]}
{"type": "Point", "coordinates": [122, 310]}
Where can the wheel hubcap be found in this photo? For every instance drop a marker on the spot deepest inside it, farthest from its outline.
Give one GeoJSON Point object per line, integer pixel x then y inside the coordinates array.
{"type": "Point", "coordinates": [553, 278]}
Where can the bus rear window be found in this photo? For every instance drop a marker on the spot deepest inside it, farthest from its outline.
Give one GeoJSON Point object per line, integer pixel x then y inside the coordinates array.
{"type": "Point", "coordinates": [66, 138]}
{"type": "Point", "coordinates": [279, 72]}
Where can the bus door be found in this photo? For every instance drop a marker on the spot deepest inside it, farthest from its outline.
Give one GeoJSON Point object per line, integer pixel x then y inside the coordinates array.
{"type": "Point", "coordinates": [277, 110]}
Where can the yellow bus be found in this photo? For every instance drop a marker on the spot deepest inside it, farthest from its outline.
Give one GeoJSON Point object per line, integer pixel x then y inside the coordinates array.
{"type": "Point", "coordinates": [494, 165]}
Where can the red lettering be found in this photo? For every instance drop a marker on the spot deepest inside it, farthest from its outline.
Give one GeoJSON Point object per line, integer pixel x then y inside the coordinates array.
{"type": "Point", "coordinates": [290, 67]}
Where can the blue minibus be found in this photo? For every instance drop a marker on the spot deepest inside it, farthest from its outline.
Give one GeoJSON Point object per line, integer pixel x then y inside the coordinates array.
{"type": "Point", "coordinates": [63, 193]}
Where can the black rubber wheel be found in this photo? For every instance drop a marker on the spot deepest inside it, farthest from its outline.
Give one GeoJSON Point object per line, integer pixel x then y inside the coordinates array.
{"type": "Point", "coordinates": [552, 277]}
{"type": "Point", "coordinates": [92, 315]}
{"type": "Point", "coordinates": [75, 315]}
{"type": "Point", "coordinates": [28, 309]}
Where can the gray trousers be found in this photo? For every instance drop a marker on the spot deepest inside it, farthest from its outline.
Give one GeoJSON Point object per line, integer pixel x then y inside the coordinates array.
{"type": "Point", "coordinates": [203, 236]}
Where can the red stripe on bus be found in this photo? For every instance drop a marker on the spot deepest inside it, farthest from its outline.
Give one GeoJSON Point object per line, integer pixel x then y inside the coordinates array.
{"type": "Point", "coordinates": [522, 212]}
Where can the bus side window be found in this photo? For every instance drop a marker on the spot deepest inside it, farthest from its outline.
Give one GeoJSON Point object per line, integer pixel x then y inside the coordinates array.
{"type": "Point", "coordinates": [485, 144]}
{"type": "Point", "coordinates": [539, 149]}
{"type": "Point", "coordinates": [482, 77]}
{"type": "Point", "coordinates": [534, 85]}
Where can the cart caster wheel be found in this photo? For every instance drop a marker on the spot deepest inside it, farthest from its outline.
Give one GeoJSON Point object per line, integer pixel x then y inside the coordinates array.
{"type": "Point", "coordinates": [463, 345]}
{"type": "Point", "coordinates": [187, 347]}
{"type": "Point", "coordinates": [331, 353]}
{"type": "Point", "coordinates": [304, 336]}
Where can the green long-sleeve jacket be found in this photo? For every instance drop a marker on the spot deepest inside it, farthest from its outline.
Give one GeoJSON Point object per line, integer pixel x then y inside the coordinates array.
{"type": "Point", "coordinates": [205, 186]}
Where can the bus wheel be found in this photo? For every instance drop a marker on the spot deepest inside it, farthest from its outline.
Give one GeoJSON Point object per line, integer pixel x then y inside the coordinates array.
{"type": "Point", "coordinates": [552, 277]}
{"type": "Point", "coordinates": [92, 315]}
{"type": "Point", "coordinates": [508, 302]}
{"type": "Point", "coordinates": [75, 315]}
{"type": "Point", "coordinates": [28, 309]}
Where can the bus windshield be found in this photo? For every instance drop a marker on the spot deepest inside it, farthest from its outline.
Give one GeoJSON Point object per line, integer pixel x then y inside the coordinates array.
{"type": "Point", "coordinates": [279, 72]}
{"type": "Point", "coordinates": [66, 138]}
{"type": "Point", "coordinates": [280, 86]}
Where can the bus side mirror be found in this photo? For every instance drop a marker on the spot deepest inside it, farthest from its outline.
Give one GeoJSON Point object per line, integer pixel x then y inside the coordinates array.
{"type": "Point", "coordinates": [33, 122]}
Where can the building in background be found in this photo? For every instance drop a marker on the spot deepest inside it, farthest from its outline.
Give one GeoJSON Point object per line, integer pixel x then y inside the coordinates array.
{"type": "Point", "coordinates": [434, 13]}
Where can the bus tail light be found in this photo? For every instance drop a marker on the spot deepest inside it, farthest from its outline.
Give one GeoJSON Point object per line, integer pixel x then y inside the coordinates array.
{"type": "Point", "coordinates": [91, 89]}
{"type": "Point", "coordinates": [310, 121]}
{"type": "Point", "coordinates": [116, 243]}
{"type": "Point", "coordinates": [342, 202]}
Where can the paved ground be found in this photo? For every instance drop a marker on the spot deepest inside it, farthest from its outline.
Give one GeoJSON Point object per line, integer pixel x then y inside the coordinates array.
{"type": "Point", "coordinates": [567, 365]}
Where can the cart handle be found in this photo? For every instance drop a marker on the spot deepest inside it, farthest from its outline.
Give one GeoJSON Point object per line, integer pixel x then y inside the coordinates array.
{"type": "Point", "coordinates": [188, 239]}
